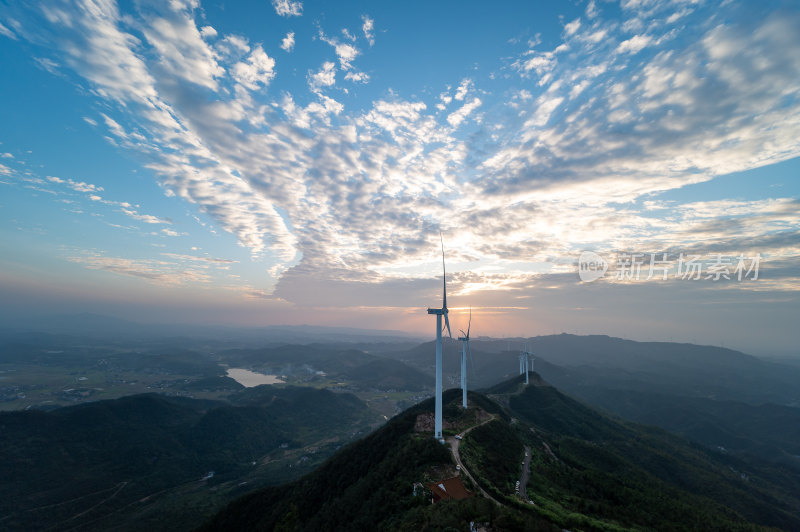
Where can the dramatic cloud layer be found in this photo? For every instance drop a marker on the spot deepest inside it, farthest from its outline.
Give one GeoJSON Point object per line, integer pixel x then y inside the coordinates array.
{"type": "Point", "coordinates": [564, 146]}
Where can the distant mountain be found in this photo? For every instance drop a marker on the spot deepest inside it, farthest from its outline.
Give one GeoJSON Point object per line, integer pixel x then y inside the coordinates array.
{"type": "Point", "coordinates": [613, 363]}
{"type": "Point", "coordinates": [671, 368]}
{"type": "Point", "coordinates": [770, 432]}
{"type": "Point", "coordinates": [108, 327]}
{"type": "Point", "coordinates": [155, 462]}
{"type": "Point", "coordinates": [586, 471]}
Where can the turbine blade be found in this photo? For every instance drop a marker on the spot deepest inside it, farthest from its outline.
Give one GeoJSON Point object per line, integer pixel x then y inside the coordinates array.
{"type": "Point", "coordinates": [447, 322]}
{"type": "Point", "coordinates": [470, 321]}
{"type": "Point", "coordinates": [444, 276]}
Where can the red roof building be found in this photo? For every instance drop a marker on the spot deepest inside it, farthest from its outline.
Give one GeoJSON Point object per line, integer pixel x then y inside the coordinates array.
{"type": "Point", "coordinates": [451, 488]}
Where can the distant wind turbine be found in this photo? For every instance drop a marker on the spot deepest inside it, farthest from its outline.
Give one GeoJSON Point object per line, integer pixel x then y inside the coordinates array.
{"type": "Point", "coordinates": [464, 349]}
{"type": "Point", "coordinates": [523, 358]}
{"type": "Point", "coordinates": [437, 430]}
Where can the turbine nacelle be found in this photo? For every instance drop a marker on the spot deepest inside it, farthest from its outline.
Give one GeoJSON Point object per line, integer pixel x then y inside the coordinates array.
{"type": "Point", "coordinates": [465, 335]}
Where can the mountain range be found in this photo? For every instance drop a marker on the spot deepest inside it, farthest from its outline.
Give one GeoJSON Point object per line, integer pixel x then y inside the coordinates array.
{"type": "Point", "coordinates": [585, 471]}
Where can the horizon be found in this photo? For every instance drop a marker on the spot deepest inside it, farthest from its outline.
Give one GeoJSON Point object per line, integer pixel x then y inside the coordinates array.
{"type": "Point", "coordinates": [285, 163]}
{"type": "Point", "coordinates": [49, 324]}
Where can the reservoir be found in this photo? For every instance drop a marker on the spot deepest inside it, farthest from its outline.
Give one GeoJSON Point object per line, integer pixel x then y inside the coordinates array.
{"type": "Point", "coordinates": [249, 378]}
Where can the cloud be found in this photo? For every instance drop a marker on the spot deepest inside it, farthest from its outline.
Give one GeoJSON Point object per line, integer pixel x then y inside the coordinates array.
{"type": "Point", "coordinates": [208, 32]}
{"type": "Point", "coordinates": [287, 44]}
{"type": "Point", "coordinates": [7, 32]}
{"type": "Point", "coordinates": [634, 45]}
{"type": "Point", "coordinates": [77, 186]}
{"type": "Point", "coordinates": [324, 77]}
{"type": "Point", "coordinates": [463, 89]}
{"type": "Point", "coordinates": [233, 46]}
{"type": "Point", "coordinates": [455, 119]}
{"type": "Point", "coordinates": [170, 129]}
{"type": "Point", "coordinates": [183, 52]}
{"type": "Point", "coordinates": [346, 52]}
{"type": "Point", "coordinates": [368, 27]}
{"type": "Point", "coordinates": [197, 258]}
{"type": "Point", "coordinates": [47, 64]}
{"type": "Point", "coordinates": [153, 271]}
{"type": "Point", "coordinates": [572, 27]}
{"type": "Point", "coordinates": [259, 69]}
{"type": "Point", "coordinates": [288, 8]}
{"type": "Point", "coordinates": [357, 77]}
{"type": "Point", "coordinates": [146, 218]}
{"type": "Point", "coordinates": [662, 115]}
{"type": "Point", "coordinates": [561, 158]}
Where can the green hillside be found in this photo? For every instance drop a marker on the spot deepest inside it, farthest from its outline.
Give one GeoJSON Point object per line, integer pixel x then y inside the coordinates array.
{"type": "Point", "coordinates": [768, 431]}
{"type": "Point", "coordinates": [586, 472]}
{"type": "Point", "coordinates": [156, 462]}
{"type": "Point", "coordinates": [641, 475]}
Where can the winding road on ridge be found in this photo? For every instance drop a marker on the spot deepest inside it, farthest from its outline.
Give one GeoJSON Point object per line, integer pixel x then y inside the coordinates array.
{"type": "Point", "coordinates": [526, 471]}
{"type": "Point", "coordinates": [454, 443]}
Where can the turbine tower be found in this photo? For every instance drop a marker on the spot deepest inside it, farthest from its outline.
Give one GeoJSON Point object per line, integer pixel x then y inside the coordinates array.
{"type": "Point", "coordinates": [524, 359]}
{"type": "Point", "coordinates": [437, 429]}
{"type": "Point", "coordinates": [464, 348]}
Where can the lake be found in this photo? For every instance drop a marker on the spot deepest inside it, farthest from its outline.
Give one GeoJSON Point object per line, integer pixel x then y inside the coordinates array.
{"type": "Point", "coordinates": [249, 378]}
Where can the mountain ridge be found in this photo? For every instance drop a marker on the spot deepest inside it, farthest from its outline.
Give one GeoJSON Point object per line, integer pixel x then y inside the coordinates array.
{"type": "Point", "coordinates": [590, 472]}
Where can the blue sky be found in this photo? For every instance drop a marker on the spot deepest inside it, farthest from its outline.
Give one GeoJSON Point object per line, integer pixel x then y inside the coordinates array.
{"type": "Point", "coordinates": [288, 162]}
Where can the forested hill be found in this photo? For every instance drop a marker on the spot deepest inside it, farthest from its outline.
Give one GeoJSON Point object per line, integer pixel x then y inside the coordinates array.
{"type": "Point", "coordinates": [152, 462]}
{"type": "Point", "coordinates": [586, 472]}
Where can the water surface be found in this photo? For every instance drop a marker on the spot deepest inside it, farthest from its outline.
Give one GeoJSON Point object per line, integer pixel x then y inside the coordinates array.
{"type": "Point", "coordinates": [249, 378]}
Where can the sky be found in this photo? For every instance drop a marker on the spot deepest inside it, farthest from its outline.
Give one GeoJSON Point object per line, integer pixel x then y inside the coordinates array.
{"type": "Point", "coordinates": [285, 162]}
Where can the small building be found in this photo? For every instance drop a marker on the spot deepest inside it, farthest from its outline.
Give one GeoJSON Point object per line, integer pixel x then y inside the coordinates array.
{"type": "Point", "coordinates": [451, 488]}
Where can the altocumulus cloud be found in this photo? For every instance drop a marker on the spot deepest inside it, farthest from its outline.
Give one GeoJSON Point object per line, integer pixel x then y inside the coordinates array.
{"type": "Point", "coordinates": [617, 111]}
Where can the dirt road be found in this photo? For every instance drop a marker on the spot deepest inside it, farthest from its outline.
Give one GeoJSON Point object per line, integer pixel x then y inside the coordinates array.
{"type": "Point", "coordinates": [454, 443]}
{"type": "Point", "coordinates": [526, 470]}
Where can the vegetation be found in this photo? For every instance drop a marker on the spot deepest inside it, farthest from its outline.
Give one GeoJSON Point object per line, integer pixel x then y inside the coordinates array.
{"type": "Point", "coordinates": [365, 486]}
{"type": "Point", "coordinates": [587, 472]}
{"type": "Point", "coordinates": [125, 460]}
{"type": "Point", "coordinates": [640, 476]}
{"type": "Point", "coordinates": [156, 462]}
{"type": "Point", "coordinates": [494, 452]}
{"type": "Point", "coordinates": [768, 431]}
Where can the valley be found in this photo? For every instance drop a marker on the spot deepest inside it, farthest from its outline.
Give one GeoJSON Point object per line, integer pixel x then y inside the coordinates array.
{"type": "Point", "coordinates": [158, 434]}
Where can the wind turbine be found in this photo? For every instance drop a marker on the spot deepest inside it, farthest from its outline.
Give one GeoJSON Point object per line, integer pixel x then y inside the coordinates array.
{"type": "Point", "coordinates": [437, 429]}
{"type": "Point", "coordinates": [464, 348]}
{"type": "Point", "coordinates": [524, 361]}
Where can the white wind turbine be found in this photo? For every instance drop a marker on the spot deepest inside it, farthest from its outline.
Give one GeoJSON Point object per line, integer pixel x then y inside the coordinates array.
{"type": "Point", "coordinates": [464, 349]}
{"type": "Point", "coordinates": [523, 359]}
{"type": "Point", "coordinates": [437, 429]}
